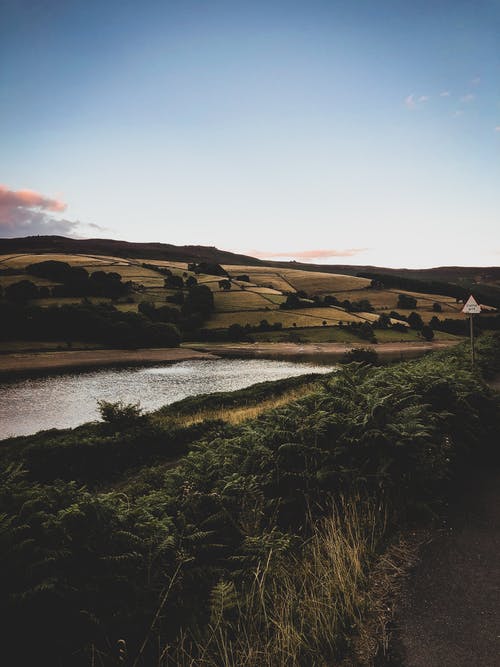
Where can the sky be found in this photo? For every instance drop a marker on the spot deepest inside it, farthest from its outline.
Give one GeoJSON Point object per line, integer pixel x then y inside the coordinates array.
{"type": "Point", "coordinates": [349, 131]}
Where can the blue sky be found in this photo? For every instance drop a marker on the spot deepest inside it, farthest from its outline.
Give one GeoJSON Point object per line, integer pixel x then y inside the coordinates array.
{"type": "Point", "coordinates": [351, 132]}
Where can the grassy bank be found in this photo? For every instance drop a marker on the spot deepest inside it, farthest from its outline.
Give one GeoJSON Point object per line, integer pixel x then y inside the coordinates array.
{"type": "Point", "coordinates": [262, 545]}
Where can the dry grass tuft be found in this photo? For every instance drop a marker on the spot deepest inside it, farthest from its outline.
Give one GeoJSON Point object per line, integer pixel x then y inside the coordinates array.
{"type": "Point", "coordinates": [240, 413]}
{"type": "Point", "coordinates": [301, 610]}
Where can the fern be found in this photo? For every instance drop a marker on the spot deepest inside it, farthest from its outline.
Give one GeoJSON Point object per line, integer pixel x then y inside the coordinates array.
{"type": "Point", "coordinates": [223, 598]}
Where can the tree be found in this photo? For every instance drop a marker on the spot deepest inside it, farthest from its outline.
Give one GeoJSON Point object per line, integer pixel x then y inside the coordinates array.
{"type": "Point", "coordinates": [225, 284]}
{"type": "Point", "coordinates": [384, 321]}
{"type": "Point", "coordinates": [406, 301]}
{"type": "Point", "coordinates": [415, 321]}
{"type": "Point", "coordinates": [177, 298]}
{"type": "Point", "coordinates": [437, 308]}
{"type": "Point", "coordinates": [174, 282]}
{"type": "Point", "coordinates": [22, 291]}
{"type": "Point", "coordinates": [427, 332]}
{"type": "Point", "coordinates": [147, 308]}
{"type": "Point", "coordinates": [366, 332]}
{"type": "Point", "coordinates": [236, 332]}
{"type": "Point", "coordinates": [191, 281]}
{"type": "Point", "coordinates": [292, 301]}
{"type": "Point", "coordinates": [199, 300]}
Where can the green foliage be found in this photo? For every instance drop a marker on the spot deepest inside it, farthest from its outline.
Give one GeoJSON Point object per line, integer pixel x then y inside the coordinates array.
{"type": "Point", "coordinates": [148, 553]}
{"type": "Point", "coordinates": [406, 302]}
{"type": "Point", "coordinates": [361, 355]}
{"type": "Point", "coordinates": [415, 321]}
{"type": "Point", "coordinates": [120, 415]}
{"type": "Point", "coordinates": [22, 291]}
{"type": "Point", "coordinates": [427, 332]}
{"type": "Point", "coordinates": [101, 323]}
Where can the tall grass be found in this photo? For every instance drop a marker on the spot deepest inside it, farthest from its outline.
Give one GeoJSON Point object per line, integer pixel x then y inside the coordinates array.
{"type": "Point", "coordinates": [237, 414]}
{"type": "Point", "coordinates": [299, 610]}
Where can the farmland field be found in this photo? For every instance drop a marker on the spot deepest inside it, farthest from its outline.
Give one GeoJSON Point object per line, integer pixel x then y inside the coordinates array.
{"type": "Point", "coordinates": [310, 317]}
{"type": "Point", "coordinates": [311, 282]}
{"type": "Point", "coordinates": [241, 300]}
{"type": "Point", "coordinates": [334, 334]}
{"type": "Point", "coordinates": [21, 261]}
{"type": "Point", "coordinates": [247, 302]}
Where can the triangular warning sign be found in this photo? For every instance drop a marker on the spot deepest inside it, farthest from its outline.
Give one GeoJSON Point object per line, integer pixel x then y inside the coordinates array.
{"type": "Point", "coordinates": [471, 307]}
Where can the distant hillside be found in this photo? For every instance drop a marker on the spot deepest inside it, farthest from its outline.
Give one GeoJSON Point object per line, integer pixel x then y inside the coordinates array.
{"type": "Point", "coordinates": [166, 251]}
{"type": "Point", "coordinates": [163, 251]}
{"type": "Point", "coordinates": [453, 274]}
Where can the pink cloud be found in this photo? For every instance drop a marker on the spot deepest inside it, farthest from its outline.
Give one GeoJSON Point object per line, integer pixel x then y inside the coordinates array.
{"type": "Point", "coordinates": [307, 254]}
{"type": "Point", "coordinates": [12, 199]}
{"type": "Point", "coordinates": [28, 213]}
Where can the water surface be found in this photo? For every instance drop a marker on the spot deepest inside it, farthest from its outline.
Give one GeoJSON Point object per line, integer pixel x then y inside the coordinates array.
{"type": "Point", "coordinates": [63, 401]}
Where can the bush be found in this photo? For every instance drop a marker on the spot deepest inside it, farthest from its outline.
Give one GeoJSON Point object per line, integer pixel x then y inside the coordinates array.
{"type": "Point", "coordinates": [121, 415]}
{"type": "Point", "coordinates": [361, 355]}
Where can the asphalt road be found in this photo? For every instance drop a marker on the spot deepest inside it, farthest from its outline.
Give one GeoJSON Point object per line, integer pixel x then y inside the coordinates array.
{"type": "Point", "coordinates": [451, 615]}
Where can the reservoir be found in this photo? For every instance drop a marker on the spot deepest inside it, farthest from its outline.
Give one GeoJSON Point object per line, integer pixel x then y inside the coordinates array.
{"type": "Point", "coordinates": [65, 401]}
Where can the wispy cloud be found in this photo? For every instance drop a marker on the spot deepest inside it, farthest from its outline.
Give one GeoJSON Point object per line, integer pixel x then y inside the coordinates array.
{"type": "Point", "coordinates": [467, 98]}
{"type": "Point", "coordinates": [445, 93]}
{"type": "Point", "coordinates": [28, 213]}
{"type": "Point", "coordinates": [476, 81]}
{"type": "Point", "coordinates": [458, 112]}
{"type": "Point", "coordinates": [412, 101]}
{"type": "Point", "coordinates": [497, 128]}
{"type": "Point", "coordinates": [307, 255]}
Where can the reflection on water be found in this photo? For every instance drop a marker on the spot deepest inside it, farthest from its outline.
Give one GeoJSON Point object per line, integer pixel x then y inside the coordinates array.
{"type": "Point", "coordinates": [63, 401]}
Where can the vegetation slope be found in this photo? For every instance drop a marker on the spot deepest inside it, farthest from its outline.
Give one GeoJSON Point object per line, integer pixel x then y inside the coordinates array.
{"type": "Point", "coordinates": [147, 540]}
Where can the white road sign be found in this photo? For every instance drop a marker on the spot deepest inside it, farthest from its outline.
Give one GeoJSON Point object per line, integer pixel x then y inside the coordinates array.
{"type": "Point", "coordinates": [471, 307]}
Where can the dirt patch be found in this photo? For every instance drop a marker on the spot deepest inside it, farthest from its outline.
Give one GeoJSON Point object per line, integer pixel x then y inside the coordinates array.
{"type": "Point", "coordinates": [47, 362]}
{"type": "Point", "coordinates": [322, 352]}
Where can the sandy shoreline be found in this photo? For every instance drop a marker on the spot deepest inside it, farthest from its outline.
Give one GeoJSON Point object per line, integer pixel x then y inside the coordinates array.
{"type": "Point", "coordinates": [26, 363]}
{"type": "Point", "coordinates": [319, 352]}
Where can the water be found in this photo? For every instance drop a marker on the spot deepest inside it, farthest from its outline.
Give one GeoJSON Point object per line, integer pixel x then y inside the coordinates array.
{"type": "Point", "coordinates": [64, 401]}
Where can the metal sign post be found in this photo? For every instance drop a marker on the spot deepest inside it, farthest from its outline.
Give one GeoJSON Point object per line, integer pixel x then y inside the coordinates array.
{"type": "Point", "coordinates": [471, 308]}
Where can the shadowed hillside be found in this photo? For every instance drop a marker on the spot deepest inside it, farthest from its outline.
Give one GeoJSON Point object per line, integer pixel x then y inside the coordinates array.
{"type": "Point", "coordinates": [62, 244]}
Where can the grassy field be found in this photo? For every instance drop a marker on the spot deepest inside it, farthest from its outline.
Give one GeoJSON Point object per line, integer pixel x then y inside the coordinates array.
{"type": "Point", "coordinates": [310, 317]}
{"type": "Point", "coordinates": [293, 279]}
{"type": "Point", "coordinates": [233, 301]}
{"type": "Point", "coordinates": [246, 302]}
{"type": "Point", "coordinates": [21, 261]}
{"type": "Point", "coordinates": [334, 334]}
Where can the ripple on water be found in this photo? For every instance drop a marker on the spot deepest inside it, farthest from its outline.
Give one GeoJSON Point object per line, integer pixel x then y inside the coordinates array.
{"type": "Point", "coordinates": [64, 401]}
